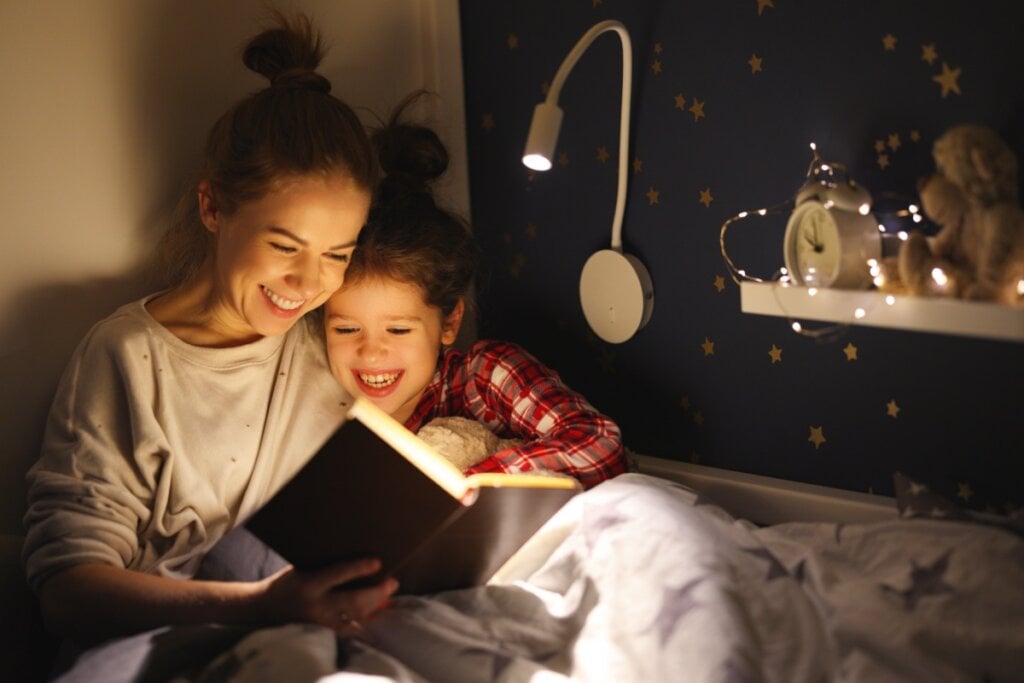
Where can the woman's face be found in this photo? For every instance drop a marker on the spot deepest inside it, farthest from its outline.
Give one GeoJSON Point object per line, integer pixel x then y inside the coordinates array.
{"type": "Point", "coordinates": [281, 256]}
{"type": "Point", "coordinates": [383, 341]}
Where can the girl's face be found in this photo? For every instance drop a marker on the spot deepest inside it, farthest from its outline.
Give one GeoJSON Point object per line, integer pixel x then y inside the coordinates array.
{"type": "Point", "coordinates": [383, 341]}
{"type": "Point", "coordinates": [281, 256]}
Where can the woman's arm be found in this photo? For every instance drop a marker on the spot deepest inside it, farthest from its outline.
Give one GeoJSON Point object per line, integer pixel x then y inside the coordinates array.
{"type": "Point", "coordinates": [515, 394]}
{"type": "Point", "coordinates": [92, 602]}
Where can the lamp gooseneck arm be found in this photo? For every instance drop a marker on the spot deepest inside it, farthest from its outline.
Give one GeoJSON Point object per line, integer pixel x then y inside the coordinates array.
{"type": "Point", "coordinates": [627, 82]}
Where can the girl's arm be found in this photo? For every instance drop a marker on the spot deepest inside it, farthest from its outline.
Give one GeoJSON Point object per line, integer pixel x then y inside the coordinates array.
{"type": "Point", "coordinates": [91, 602]}
{"type": "Point", "coordinates": [515, 394]}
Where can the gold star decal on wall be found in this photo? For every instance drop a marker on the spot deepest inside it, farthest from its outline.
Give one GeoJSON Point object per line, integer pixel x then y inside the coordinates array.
{"type": "Point", "coordinates": [531, 230]}
{"type": "Point", "coordinates": [563, 159]}
{"type": "Point", "coordinates": [697, 109]}
{"type": "Point", "coordinates": [892, 409]}
{"type": "Point", "coordinates": [948, 80]}
{"type": "Point", "coordinates": [763, 4]}
{"type": "Point", "coordinates": [851, 351]}
{"type": "Point", "coordinates": [656, 66]}
{"type": "Point", "coordinates": [817, 437]}
{"type": "Point", "coordinates": [684, 402]}
{"type": "Point", "coordinates": [755, 63]}
{"type": "Point", "coordinates": [487, 123]}
{"type": "Point", "coordinates": [657, 48]}
{"type": "Point", "coordinates": [638, 165]}
{"type": "Point", "coordinates": [595, 3]}
{"type": "Point", "coordinates": [513, 41]}
{"type": "Point", "coordinates": [719, 283]}
{"type": "Point", "coordinates": [602, 154]}
{"type": "Point", "coordinates": [964, 491]}
{"type": "Point", "coordinates": [705, 197]}
{"type": "Point", "coordinates": [915, 136]}
{"type": "Point", "coordinates": [698, 417]}
{"type": "Point", "coordinates": [516, 267]}
{"type": "Point", "coordinates": [708, 346]}
{"type": "Point", "coordinates": [889, 42]}
{"type": "Point", "coordinates": [928, 53]}
{"type": "Point", "coordinates": [894, 141]}
{"type": "Point", "coordinates": [879, 146]}
{"type": "Point", "coordinates": [883, 161]}
{"type": "Point", "coordinates": [775, 353]}
{"type": "Point", "coordinates": [680, 102]}
{"type": "Point", "coordinates": [652, 196]}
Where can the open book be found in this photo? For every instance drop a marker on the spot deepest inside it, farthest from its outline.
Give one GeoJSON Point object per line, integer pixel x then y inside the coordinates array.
{"type": "Point", "coordinates": [375, 489]}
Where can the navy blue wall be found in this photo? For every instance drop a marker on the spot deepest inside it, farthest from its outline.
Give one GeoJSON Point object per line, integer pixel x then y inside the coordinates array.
{"type": "Point", "coordinates": [857, 78]}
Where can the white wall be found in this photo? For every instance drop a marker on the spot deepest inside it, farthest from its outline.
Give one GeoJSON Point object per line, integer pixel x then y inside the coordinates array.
{"type": "Point", "coordinates": [105, 107]}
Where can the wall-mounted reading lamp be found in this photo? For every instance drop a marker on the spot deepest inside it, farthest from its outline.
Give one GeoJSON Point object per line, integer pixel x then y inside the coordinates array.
{"type": "Point", "coordinates": [615, 288]}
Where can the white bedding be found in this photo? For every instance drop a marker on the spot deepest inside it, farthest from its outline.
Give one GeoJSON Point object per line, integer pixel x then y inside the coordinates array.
{"type": "Point", "coordinates": [640, 579]}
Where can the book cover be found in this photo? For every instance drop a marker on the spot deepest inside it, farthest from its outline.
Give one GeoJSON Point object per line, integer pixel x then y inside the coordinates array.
{"type": "Point", "coordinates": [375, 489]}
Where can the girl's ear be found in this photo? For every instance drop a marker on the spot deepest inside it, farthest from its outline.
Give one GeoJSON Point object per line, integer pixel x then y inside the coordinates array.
{"type": "Point", "coordinates": [208, 212]}
{"type": "Point", "coordinates": [452, 322]}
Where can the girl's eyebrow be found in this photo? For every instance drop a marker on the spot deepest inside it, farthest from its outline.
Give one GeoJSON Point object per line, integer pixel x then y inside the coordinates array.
{"type": "Point", "coordinates": [291, 235]}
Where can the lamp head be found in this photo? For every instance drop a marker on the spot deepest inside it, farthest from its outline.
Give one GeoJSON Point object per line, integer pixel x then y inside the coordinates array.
{"type": "Point", "coordinates": [540, 143]}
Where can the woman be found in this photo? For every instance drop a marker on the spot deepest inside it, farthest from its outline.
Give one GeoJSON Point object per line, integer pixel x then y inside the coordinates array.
{"type": "Point", "coordinates": [180, 414]}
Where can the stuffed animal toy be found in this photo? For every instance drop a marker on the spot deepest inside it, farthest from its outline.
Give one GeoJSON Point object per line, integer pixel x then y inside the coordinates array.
{"type": "Point", "coordinates": [463, 441]}
{"type": "Point", "coordinates": [978, 253]}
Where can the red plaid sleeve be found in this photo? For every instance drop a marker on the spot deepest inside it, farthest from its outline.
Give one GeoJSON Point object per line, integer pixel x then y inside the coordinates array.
{"type": "Point", "coordinates": [516, 396]}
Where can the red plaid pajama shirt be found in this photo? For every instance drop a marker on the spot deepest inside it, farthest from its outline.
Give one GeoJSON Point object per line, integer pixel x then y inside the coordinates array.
{"type": "Point", "coordinates": [505, 388]}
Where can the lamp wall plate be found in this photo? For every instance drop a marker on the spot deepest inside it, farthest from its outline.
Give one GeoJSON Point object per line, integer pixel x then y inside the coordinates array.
{"type": "Point", "coordinates": [617, 295]}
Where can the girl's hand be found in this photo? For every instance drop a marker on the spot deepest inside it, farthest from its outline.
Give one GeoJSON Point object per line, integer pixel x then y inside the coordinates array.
{"type": "Point", "coordinates": [320, 598]}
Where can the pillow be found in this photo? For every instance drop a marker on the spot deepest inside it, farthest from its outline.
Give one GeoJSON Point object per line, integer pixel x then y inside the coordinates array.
{"type": "Point", "coordinates": [915, 500]}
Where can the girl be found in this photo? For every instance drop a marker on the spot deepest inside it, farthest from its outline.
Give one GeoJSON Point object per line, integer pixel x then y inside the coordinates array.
{"type": "Point", "coordinates": [180, 414]}
{"type": "Point", "coordinates": [403, 300]}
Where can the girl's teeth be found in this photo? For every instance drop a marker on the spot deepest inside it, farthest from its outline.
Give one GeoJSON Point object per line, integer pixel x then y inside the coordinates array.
{"type": "Point", "coordinates": [379, 381]}
{"type": "Point", "coordinates": [280, 301]}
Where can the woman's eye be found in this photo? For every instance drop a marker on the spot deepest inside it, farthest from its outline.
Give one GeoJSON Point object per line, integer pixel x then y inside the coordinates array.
{"type": "Point", "coordinates": [283, 248]}
{"type": "Point", "coordinates": [340, 258]}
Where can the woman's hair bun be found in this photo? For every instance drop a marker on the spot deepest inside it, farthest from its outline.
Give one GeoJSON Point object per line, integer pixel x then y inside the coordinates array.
{"type": "Point", "coordinates": [289, 54]}
{"type": "Point", "coordinates": [411, 156]}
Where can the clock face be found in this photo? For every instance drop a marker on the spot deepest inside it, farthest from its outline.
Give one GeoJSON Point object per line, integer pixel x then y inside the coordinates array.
{"type": "Point", "coordinates": [813, 245]}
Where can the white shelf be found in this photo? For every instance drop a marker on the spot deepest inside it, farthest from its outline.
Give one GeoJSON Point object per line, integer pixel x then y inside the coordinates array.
{"type": "Point", "coordinates": [920, 314]}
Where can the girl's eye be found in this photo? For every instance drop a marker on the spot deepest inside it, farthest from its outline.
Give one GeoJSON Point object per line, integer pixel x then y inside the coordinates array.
{"type": "Point", "coordinates": [283, 248]}
{"type": "Point", "coordinates": [399, 330]}
{"type": "Point", "coordinates": [340, 258]}
{"type": "Point", "coordinates": [343, 329]}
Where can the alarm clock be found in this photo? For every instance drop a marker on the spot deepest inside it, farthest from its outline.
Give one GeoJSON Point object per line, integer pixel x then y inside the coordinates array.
{"type": "Point", "coordinates": [831, 235]}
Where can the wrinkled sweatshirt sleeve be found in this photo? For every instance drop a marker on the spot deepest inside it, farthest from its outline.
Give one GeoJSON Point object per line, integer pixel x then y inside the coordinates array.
{"type": "Point", "coordinates": [86, 500]}
{"type": "Point", "coordinates": [514, 394]}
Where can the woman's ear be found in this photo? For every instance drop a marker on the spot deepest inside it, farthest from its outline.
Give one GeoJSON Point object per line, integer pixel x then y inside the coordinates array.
{"type": "Point", "coordinates": [208, 212]}
{"type": "Point", "coordinates": [452, 322]}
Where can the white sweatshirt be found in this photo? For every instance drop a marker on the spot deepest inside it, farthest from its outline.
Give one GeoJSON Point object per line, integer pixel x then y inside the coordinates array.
{"type": "Point", "coordinates": [154, 448]}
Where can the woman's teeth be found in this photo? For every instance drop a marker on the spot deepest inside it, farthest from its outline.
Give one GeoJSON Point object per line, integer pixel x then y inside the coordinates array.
{"type": "Point", "coordinates": [379, 381]}
{"type": "Point", "coordinates": [280, 301]}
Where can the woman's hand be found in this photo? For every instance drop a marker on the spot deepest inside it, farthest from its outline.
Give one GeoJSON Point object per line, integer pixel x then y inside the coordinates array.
{"type": "Point", "coordinates": [320, 596]}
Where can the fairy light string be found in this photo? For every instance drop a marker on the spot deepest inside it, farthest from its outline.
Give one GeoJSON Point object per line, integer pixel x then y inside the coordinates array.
{"type": "Point", "coordinates": [821, 175]}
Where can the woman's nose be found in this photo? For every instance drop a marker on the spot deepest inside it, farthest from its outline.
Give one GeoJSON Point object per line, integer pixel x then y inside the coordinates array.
{"type": "Point", "coordinates": [305, 277]}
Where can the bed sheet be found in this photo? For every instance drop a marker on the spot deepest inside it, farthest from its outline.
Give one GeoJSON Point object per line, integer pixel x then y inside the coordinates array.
{"type": "Point", "coordinates": [641, 579]}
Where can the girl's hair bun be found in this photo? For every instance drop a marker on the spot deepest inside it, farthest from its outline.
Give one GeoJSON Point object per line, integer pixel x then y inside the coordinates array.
{"type": "Point", "coordinates": [411, 156]}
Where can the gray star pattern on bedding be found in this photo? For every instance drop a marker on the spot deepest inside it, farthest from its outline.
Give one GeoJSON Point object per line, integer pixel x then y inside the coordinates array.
{"type": "Point", "coordinates": [675, 604]}
{"type": "Point", "coordinates": [775, 568]}
{"type": "Point", "coordinates": [925, 580]}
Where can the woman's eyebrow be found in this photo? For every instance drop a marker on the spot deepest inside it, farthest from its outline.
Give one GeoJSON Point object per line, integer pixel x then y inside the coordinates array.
{"type": "Point", "coordinates": [291, 235]}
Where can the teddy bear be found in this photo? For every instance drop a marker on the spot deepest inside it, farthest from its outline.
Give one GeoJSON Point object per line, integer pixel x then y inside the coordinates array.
{"type": "Point", "coordinates": [978, 253]}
